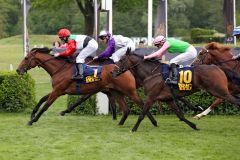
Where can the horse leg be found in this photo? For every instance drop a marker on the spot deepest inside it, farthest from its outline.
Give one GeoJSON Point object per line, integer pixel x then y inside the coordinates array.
{"type": "Point", "coordinates": [180, 114]}
{"type": "Point", "coordinates": [78, 102]}
{"type": "Point", "coordinates": [147, 104]}
{"type": "Point", "coordinates": [138, 101]}
{"type": "Point", "coordinates": [209, 109]}
{"type": "Point", "coordinates": [36, 108]}
{"type": "Point", "coordinates": [52, 97]}
{"type": "Point", "coordinates": [112, 106]}
{"type": "Point", "coordinates": [190, 105]}
{"type": "Point", "coordinates": [124, 107]}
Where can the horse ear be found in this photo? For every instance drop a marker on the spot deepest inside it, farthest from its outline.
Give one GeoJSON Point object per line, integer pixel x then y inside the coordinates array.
{"type": "Point", "coordinates": [128, 51]}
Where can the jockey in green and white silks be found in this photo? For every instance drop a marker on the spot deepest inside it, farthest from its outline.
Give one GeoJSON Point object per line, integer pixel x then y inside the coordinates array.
{"type": "Point", "coordinates": [186, 52]}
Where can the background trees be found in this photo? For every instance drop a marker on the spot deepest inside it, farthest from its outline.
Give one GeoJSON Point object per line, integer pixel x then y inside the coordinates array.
{"type": "Point", "coordinates": [129, 16]}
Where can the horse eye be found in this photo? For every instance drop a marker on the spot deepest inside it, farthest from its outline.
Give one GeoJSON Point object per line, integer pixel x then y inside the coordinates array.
{"type": "Point", "coordinates": [26, 58]}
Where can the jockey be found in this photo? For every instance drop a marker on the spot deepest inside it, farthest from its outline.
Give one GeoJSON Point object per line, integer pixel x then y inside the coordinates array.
{"type": "Point", "coordinates": [81, 44]}
{"type": "Point", "coordinates": [236, 32]}
{"type": "Point", "coordinates": [117, 46]}
{"type": "Point", "coordinates": [186, 50]}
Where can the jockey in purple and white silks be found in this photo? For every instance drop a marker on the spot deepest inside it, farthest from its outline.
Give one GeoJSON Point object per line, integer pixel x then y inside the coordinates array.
{"type": "Point", "coordinates": [117, 46]}
{"type": "Point", "coordinates": [186, 52]}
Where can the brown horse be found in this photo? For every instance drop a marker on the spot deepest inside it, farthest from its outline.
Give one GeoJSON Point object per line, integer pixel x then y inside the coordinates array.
{"type": "Point", "coordinates": [220, 55]}
{"type": "Point", "coordinates": [61, 74]}
{"type": "Point", "coordinates": [204, 77]}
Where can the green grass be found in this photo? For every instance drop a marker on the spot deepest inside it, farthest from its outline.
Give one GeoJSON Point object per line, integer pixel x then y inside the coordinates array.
{"type": "Point", "coordinates": [98, 137]}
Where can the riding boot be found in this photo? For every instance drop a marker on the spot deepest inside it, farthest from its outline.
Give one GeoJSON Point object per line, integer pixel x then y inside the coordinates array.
{"type": "Point", "coordinates": [79, 74]}
{"type": "Point", "coordinates": [173, 78]}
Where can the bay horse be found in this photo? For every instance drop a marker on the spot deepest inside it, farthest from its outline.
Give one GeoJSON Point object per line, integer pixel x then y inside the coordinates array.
{"type": "Point", "coordinates": [220, 55]}
{"type": "Point", "coordinates": [204, 77]}
{"type": "Point", "coordinates": [61, 73]}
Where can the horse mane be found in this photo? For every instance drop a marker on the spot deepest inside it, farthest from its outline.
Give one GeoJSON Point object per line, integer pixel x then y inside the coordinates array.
{"type": "Point", "coordinates": [42, 50]}
{"type": "Point", "coordinates": [217, 46]}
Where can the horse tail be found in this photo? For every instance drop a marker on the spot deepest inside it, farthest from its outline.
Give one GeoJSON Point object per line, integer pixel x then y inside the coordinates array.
{"type": "Point", "coordinates": [231, 76]}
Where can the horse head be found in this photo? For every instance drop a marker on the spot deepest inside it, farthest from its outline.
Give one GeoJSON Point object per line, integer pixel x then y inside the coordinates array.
{"type": "Point", "coordinates": [127, 62]}
{"type": "Point", "coordinates": [31, 60]}
{"type": "Point", "coordinates": [213, 53]}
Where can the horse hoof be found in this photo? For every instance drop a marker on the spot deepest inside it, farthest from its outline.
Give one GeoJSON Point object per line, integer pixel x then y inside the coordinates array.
{"type": "Point", "coordinates": [62, 113]}
{"type": "Point", "coordinates": [120, 124]}
{"type": "Point", "coordinates": [196, 117]}
{"type": "Point", "coordinates": [134, 130]}
{"type": "Point", "coordinates": [29, 123]}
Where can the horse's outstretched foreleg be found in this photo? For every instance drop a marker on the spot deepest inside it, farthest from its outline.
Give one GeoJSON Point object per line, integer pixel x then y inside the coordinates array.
{"type": "Point", "coordinates": [180, 114]}
{"type": "Point", "coordinates": [52, 97]}
{"type": "Point", "coordinates": [78, 102]}
{"type": "Point", "coordinates": [209, 109]}
{"type": "Point", "coordinates": [145, 110]}
{"type": "Point", "coordinates": [36, 108]}
{"type": "Point", "coordinates": [138, 101]}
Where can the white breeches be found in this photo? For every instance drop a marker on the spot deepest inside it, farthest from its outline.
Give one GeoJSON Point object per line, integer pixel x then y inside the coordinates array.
{"type": "Point", "coordinates": [116, 56]}
{"type": "Point", "coordinates": [90, 49]}
{"type": "Point", "coordinates": [190, 54]}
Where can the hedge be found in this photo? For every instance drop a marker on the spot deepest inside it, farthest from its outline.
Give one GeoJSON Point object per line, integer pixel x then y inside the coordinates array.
{"type": "Point", "coordinates": [199, 35]}
{"type": "Point", "coordinates": [17, 93]}
{"type": "Point", "coordinates": [200, 98]}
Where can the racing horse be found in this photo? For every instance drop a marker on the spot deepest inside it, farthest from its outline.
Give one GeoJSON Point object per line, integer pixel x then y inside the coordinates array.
{"type": "Point", "coordinates": [204, 77]}
{"type": "Point", "coordinates": [61, 73]}
{"type": "Point", "coordinates": [220, 55]}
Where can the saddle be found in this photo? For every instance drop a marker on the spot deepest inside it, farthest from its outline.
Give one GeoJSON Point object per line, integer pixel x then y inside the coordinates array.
{"type": "Point", "coordinates": [90, 73]}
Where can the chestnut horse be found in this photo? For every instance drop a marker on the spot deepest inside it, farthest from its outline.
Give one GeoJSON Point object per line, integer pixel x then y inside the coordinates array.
{"type": "Point", "coordinates": [62, 83]}
{"type": "Point", "coordinates": [204, 77]}
{"type": "Point", "coordinates": [220, 55]}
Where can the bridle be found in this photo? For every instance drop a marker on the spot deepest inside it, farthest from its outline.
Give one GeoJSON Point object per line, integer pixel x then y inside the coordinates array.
{"type": "Point", "coordinates": [39, 64]}
{"type": "Point", "coordinates": [215, 61]}
{"type": "Point", "coordinates": [132, 67]}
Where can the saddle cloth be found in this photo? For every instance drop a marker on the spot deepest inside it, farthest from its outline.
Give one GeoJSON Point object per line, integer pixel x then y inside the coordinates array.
{"type": "Point", "coordinates": [184, 76]}
{"type": "Point", "coordinates": [90, 73]}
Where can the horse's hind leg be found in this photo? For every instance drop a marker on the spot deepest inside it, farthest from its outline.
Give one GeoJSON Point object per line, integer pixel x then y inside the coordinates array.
{"type": "Point", "coordinates": [190, 105]}
{"type": "Point", "coordinates": [209, 109]}
{"type": "Point", "coordinates": [36, 108]}
{"type": "Point", "coordinates": [78, 102]}
{"type": "Point", "coordinates": [124, 107]}
{"type": "Point", "coordinates": [112, 106]}
{"type": "Point", "coordinates": [180, 114]}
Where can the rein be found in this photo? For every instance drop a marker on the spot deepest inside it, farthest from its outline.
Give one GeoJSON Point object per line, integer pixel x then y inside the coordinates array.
{"type": "Point", "coordinates": [40, 64]}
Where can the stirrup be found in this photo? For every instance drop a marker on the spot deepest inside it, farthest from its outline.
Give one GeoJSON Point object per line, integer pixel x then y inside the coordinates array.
{"type": "Point", "coordinates": [78, 77]}
{"type": "Point", "coordinates": [170, 81]}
